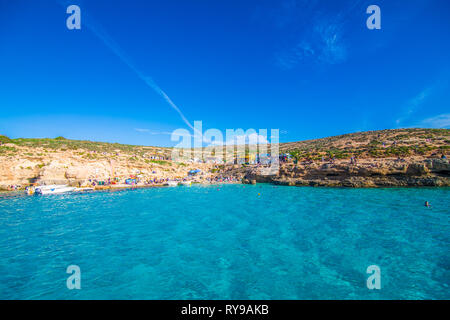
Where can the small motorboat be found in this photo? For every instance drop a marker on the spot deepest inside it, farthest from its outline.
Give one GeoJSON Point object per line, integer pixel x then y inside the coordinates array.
{"type": "Point", "coordinates": [171, 183]}
{"type": "Point", "coordinates": [185, 183]}
{"type": "Point", "coordinates": [53, 189]}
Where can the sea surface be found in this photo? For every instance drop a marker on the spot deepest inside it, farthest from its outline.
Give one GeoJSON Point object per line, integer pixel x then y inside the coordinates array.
{"type": "Point", "coordinates": [227, 242]}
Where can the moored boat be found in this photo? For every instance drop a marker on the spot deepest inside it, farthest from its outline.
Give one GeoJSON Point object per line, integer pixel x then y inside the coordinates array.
{"type": "Point", "coordinates": [53, 189]}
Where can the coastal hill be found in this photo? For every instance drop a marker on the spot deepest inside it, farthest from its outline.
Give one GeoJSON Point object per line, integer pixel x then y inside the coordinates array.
{"type": "Point", "coordinates": [384, 158]}
{"type": "Point", "coordinates": [374, 144]}
{"type": "Point", "coordinates": [74, 162]}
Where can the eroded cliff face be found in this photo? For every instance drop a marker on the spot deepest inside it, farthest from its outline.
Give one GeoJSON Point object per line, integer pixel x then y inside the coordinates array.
{"type": "Point", "coordinates": [66, 169]}
{"type": "Point", "coordinates": [370, 173]}
{"type": "Point", "coordinates": [28, 165]}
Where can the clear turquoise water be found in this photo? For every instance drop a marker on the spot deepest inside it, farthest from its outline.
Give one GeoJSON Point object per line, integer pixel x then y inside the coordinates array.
{"type": "Point", "coordinates": [226, 242]}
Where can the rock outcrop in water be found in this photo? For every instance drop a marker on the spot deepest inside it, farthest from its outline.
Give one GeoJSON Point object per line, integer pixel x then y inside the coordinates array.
{"type": "Point", "coordinates": [370, 173]}
{"type": "Point", "coordinates": [400, 157]}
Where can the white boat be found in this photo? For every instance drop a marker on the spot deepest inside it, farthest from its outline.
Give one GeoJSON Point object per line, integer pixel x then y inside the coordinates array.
{"type": "Point", "coordinates": [171, 183]}
{"type": "Point", "coordinates": [185, 183]}
{"type": "Point", "coordinates": [53, 189]}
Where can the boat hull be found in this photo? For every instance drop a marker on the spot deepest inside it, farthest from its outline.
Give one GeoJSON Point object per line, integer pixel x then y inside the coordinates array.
{"type": "Point", "coordinates": [56, 189]}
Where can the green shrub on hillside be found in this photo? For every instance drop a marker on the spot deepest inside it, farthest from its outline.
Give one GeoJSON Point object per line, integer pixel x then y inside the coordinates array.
{"type": "Point", "coordinates": [161, 162]}
{"type": "Point", "coordinates": [4, 150]}
{"type": "Point", "coordinates": [5, 139]}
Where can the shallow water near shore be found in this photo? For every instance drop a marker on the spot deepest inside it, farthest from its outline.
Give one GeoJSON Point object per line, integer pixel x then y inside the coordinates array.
{"type": "Point", "coordinates": [227, 242]}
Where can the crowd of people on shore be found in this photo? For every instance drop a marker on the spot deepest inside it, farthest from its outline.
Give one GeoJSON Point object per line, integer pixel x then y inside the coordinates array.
{"type": "Point", "coordinates": [221, 179]}
{"type": "Point", "coordinates": [14, 187]}
{"type": "Point", "coordinates": [162, 181]}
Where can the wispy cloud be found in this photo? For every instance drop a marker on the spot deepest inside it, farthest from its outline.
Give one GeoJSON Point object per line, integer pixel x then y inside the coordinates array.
{"type": "Point", "coordinates": [333, 50]}
{"type": "Point", "coordinates": [141, 130]}
{"type": "Point", "coordinates": [321, 39]}
{"type": "Point", "coordinates": [327, 47]}
{"type": "Point", "coordinates": [252, 138]}
{"type": "Point", "coordinates": [152, 132]}
{"type": "Point", "coordinates": [441, 121]}
{"type": "Point", "coordinates": [246, 138]}
{"type": "Point", "coordinates": [174, 133]}
{"type": "Point", "coordinates": [413, 104]}
{"type": "Point", "coordinates": [109, 42]}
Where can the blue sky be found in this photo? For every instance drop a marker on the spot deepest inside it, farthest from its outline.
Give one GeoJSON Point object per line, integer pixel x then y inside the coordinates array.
{"type": "Point", "coordinates": [308, 68]}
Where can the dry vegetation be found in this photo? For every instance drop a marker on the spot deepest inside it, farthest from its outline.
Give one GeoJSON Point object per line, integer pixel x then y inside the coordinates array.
{"type": "Point", "coordinates": [374, 144]}
{"type": "Point", "coordinates": [70, 161]}
{"type": "Point", "coordinates": [370, 144]}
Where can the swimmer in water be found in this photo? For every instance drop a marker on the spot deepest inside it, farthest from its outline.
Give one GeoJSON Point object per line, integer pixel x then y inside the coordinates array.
{"type": "Point", "coordinates": [427, 204]}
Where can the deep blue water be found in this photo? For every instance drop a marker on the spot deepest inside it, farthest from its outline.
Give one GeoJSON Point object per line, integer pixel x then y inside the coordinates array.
{"type": "Point", "coordinates": [226, 242]}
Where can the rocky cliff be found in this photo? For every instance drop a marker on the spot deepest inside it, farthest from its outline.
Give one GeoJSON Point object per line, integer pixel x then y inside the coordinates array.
{"type": "Point", "coordinates": [370, 173]}
{"type": "Point", "coordinates": [51, 161]}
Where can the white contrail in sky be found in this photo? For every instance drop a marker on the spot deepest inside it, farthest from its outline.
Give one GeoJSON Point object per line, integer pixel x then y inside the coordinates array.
{"type": "Point", "coordinates": [111, 44]}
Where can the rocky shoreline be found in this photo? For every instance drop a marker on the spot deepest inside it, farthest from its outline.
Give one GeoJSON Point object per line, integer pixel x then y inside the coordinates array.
{"type": "Point", "coordinates": [369, 174]}
{"type": "Point", "coordinates": [385, 158]}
